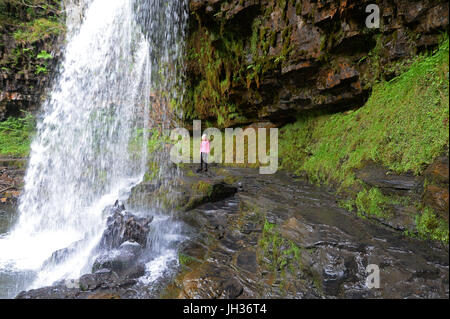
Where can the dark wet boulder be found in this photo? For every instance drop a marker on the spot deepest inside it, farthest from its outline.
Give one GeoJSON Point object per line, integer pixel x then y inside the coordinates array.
{"type": "Point", "coordinates": [387, 181]}
{"type": "Point", "coordinates": [100, 278]}
{"type": "Point", "coordinates": [114, 269]}
{"type": "Point", "coordinates": [122, 243]}
{"type": "Point", "coordinates": [207, 192]}
{"type": "Point", "coordinates": [123, 226]}
{"type": "Point", "coordinates": [103, 282]}
{"type": "Point", "coordinates": [130, 247]}
{"type": "Point", "coordinates": [115, 260]}
{"type": "Point", "coordinates": [118, 206]}
{"type": "Point", "coordinates": [123, 261]}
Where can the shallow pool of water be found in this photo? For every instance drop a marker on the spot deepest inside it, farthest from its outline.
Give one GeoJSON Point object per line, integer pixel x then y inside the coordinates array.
{"type": "Point", "coordinates": [12, 280]}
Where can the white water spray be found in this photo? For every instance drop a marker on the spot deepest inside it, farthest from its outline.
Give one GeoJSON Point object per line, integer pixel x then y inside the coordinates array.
{"type": "Point", "coordinates": [90, 147]}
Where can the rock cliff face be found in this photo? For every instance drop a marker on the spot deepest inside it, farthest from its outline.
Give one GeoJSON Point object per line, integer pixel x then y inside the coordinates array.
{"type": "Point", "coordinates": [264, 60]}
{"type": "Point", "coordinates": [249, 60]}
{"type": "Point", "coordinates": [30, 48]}
{"type": "Point", "coordinates": [436, 194]}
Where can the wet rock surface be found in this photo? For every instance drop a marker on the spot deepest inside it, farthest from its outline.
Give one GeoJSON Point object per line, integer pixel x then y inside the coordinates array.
{"type": "Point", "coordinates": [277, 237]}
{"type": "Point", "coordinates": [122, 226]}
{"type": "Point", "coordinates": [12, 171]}
{"type": "Point", "coordinates": [122, 243]}
{"type": "Point", "coordinates": [284, 238]}
{"type": "Point", "coordinates": [103, 284]}
{"type": "Point", "coordinates": [124, 261]}
{"type": "Point", "coordinates": [116, 267]}
{"type": "Point", "coordinates": [389, 182]}
{"type": "Point", "coordinates": [431, 189]}
{"type": "Point", "coordinates": [194, 189]}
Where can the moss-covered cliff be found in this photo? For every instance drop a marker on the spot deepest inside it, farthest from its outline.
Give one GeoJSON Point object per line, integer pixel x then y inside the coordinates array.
{"type": "Point", "coordinates": [389, 157]}
{"type": "Point", "coordinates": [263, 60]}
{"type": "Point", "coordinates": [31, 34]}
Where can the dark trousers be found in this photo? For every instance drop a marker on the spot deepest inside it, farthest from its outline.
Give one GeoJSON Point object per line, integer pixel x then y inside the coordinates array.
{"type": "Point", "coordinates": [203, 159]}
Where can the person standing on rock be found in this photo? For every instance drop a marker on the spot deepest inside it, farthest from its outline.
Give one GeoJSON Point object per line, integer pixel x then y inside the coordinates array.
{"type": "Point", "coordinates": [204, 152]}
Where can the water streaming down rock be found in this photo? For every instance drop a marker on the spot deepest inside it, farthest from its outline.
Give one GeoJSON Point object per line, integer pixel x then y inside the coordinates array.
{"type": "Point", "coordinates": [90, 148]}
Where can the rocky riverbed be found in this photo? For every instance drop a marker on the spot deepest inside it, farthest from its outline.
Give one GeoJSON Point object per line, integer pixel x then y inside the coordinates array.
{"type": "Point", "coordinates": [12, 171]}
{"type": "Point", "coordinates": [276, 236]}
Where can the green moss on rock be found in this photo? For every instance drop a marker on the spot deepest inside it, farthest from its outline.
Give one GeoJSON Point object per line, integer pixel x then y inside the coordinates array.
{"type": "Point", "coordinates": [403, 126]}
{"type": "Point", "coordinates": [430, 226]}
{"type": "Point", "coordinates": [15, 136]}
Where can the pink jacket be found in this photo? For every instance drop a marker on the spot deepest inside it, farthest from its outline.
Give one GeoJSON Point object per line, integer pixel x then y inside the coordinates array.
{"type": "Point", "coordinates": [204, 147]}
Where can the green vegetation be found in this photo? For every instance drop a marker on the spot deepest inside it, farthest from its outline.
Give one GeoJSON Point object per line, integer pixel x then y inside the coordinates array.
{"type": "Point", "coordinates": [403, 126]}
{"type": "Point", "coordinates": [36, 30]}
{"type": "Point", "coordinates": [156, 140]}
{"type": "Point", "coordinates": [283, 255]}
{"type": "Point", "coordinates": [219, 66]}
{"type": "Point", "coordinates": [372, 203]}
{"type": "Point", "coordinates": [185, 260]}
{"type": "Point", "coordinates": [15, 136]}
{"type": "Point", "coordinates": [379, 67]}
{"type": "Point", "coordinates": [43, 56]}
{"type": "Point", "coordinates": [33, 24]}
{"type": "Point", "coordinates": [220, 60]}
{"type": "Point", "coordinates": [430, 226]}
{"type": "Point", "coordinates": [15, 13]}
{"type": "Point", "coordinates": [203, 187]}
{"type": "Point", "coordinates": [203, 192]}
{"type": "Point", "coordinates": [230, 179]}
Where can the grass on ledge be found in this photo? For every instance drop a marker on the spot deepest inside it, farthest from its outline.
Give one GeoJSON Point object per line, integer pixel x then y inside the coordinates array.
{"type": "Point", "coordinates": [430, 226]}
{"type": "Point", "coordinates": [403, 126]}
{"type": "Point", "coordinates": [15, 136]}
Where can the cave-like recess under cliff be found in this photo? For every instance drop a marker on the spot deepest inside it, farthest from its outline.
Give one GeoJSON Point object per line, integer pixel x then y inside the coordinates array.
{"type": "Point", "coordinates": [253, 60]}
{"type": "Point", "coordinates": [268, 61]}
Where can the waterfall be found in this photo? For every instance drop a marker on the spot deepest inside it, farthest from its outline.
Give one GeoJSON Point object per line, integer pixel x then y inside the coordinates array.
{"type": "Point", "coordinates": [90, 147]}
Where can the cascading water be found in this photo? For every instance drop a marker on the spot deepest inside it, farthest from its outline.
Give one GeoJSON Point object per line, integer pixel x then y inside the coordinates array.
{"type": "Point", "coordinates": [90, 148]}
